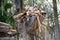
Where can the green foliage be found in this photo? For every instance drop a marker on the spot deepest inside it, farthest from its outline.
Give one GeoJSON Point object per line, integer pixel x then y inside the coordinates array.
{"type": "Point", "coordinates": [7, 5]}
{"type": "Point", "coordinates": [4, 16]}
{"type": "Point", "coordinates": [10, 20]}
{"type": "Point", "coordinates": [7, 17]}
{"type": "Point", "coordinates": [1, 1]}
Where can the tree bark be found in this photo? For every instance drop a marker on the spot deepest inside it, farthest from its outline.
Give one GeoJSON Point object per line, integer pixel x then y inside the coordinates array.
{"type": "Point", "coordinates": [19, 5]}
{"type": "Point", "coordinates": [57, 34]}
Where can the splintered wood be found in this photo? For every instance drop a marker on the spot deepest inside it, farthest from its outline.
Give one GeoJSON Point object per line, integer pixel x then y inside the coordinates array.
{"type": "Point", "coordinates": [35, 25]}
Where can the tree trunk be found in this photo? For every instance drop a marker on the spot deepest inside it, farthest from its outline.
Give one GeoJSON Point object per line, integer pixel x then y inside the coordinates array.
{"type": "Point", "coordinates": [19, 5]}
{"type": "Point", "coordinates": [57, 34]}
